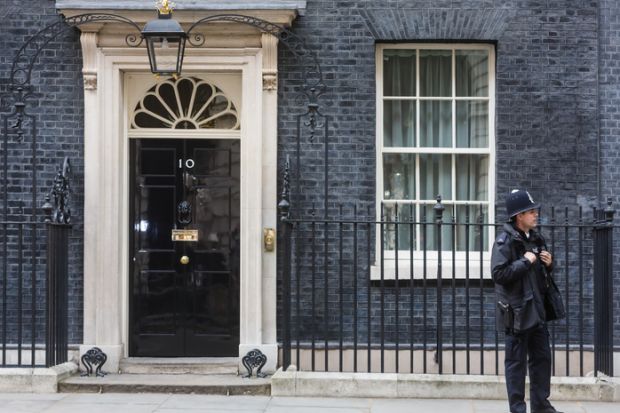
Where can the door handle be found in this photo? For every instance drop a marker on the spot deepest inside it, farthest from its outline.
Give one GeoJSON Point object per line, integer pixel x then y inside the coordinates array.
{"type": "Point", "coordinates": [184, 260]}
{"type": "Point", "coordinates": [189, 181]}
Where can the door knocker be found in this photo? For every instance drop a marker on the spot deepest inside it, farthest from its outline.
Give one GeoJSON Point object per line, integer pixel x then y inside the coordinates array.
{"type": "Point", "coordinates": [184, 213]}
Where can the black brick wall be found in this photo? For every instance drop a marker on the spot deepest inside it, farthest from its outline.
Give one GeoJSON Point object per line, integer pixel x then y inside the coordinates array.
{"type": "Point", "coordinates": [58, 108]}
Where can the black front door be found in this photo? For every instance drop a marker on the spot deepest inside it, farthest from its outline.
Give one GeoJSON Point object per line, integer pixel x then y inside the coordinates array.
{"type": "Point", "coordinates": [184, 293]}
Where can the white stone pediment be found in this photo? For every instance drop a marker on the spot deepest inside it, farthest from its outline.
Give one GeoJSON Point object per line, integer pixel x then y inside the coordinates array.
{"type": "Point", "coordinates": [276, 11]}
{"type": "Point", "coordinates": [218, 34]}
{"type": "Point", "coordinates": [298, 5]}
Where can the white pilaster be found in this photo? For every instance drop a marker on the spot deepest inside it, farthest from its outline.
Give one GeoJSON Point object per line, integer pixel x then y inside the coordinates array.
{"type": "Point", "coordinates": [270, 168]}
{"type": "Point", "coordinates": [251, 201]}
{"type": "Point", "coordinates": [262, 334]}
{"type": "Point", "coordinates": [92, 182]}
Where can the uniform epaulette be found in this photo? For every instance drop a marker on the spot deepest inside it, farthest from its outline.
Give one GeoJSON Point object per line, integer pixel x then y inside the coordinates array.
{"type": "Point", "coordinates": [501, 238]}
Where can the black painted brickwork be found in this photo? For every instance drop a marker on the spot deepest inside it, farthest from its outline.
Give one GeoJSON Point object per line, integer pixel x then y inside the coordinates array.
{"type": "Point", "coordinates": [547, 99]}
{"type": "Point", "coordinates": [58, 107]}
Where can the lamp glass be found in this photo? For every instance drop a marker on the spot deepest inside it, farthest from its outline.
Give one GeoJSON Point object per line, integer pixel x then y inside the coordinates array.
{"type": "Point", "coordinates": [165, 41]}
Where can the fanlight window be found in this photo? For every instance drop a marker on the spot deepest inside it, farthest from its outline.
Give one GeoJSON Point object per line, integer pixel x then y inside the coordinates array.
{"type": "Point", "coordinates": [185, 103]}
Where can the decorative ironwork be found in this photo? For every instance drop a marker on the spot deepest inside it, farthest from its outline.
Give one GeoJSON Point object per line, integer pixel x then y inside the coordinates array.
{"type": "Point", "coordinates": [19, 112]}
{"type": "Point", "coordinates": [60, 210]}
{"type": "Point", "coordinates": [609, 210]}
{"type": "Point", "coordinates": [313, 85]}
{"type": "Point", "coordinates": [184, 210]}
{"type": "Point", "coordinates": [438, 208]}
{"type": "Point", "coordinates": [94, 357]}
{"type": "Point", "coordinates": [21, 70]}
{"type": "Point", "coordinates": [284, 205]}
{"type": "Point", "coordinates": [252, 359]}
{"type": "Point", "coordinates": [313, 113]}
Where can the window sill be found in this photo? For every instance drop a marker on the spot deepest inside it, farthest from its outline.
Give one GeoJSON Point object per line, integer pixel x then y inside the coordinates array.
{"type": "Point", "coordinates": [459, 271]}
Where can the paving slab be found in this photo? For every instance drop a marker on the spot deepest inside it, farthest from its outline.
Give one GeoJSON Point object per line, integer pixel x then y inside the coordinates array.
{"type": "Point", "coordinates": [116, 398]}
{"type": "Point", "coordinates": [318, 402]}
{"type": "Point", "coordinates": [305, 409]}
{"type": "Point", "coordinates": [223, 403]}
{"type": "Point", "coordinates": [592, 407]}
{"type": "Point", "coordinates": [26, 406]}
{"type": "Point", "coordinates": [500, 406]}
{"type": "Point", "coordinates": [30, 396]}
{"type": "Point", "coordinates": [100, 408]}
{"type": "Point", "coordinates": [421, 405]}
{"type": "Point", "coordinates": [490, 406]}
{"type": "Point", "coordinates": [208, 410]}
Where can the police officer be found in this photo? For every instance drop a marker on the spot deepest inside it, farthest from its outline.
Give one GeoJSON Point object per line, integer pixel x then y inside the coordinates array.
{"type": "Point", "coordinates": [520, 263]}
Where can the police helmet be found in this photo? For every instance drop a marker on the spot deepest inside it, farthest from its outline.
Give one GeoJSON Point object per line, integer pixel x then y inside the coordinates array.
{"type": "Point", "coordinates": [519, 200]}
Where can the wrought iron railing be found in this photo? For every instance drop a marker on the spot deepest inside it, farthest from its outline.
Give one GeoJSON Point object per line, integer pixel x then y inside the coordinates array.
{"type": "Point", "coordinates": [34, 280]}
{"type": "Point", "coordinates": [409, 292]}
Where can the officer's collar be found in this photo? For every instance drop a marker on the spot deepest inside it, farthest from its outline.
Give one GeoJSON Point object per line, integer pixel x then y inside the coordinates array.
{"type": "Point", "coordinates": [518, 234]}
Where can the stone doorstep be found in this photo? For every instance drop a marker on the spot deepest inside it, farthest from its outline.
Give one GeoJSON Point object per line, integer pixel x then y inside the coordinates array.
{"type": "Point", "coordinates": [179, 365]}
{"type": "Point", "coordinates": [431, 386]}
{"type": "Point", "coordinates": [224, 384]}
{"type": "Point", "coordinates": [35, 380]}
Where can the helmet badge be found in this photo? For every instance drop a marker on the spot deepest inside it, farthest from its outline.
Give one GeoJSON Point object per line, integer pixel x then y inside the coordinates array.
{"type": "Point", "coordinates": [530, 197]}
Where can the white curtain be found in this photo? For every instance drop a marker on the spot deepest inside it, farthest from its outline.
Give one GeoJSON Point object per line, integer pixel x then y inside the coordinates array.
{"type": "Point", "coordinates": [472, 116]}
{"type": "Point", "coordinates": [399, 79]}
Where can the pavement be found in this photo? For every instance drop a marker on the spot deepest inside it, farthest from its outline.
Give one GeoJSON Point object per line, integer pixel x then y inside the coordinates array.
{"type": "Point", "coordinates": [189, 403]}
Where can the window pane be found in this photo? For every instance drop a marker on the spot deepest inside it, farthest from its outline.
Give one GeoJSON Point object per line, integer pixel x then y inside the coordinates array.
{"type": "Point", "coordinates": [435, 176]}
{"type": "Point", "coordinates": [399, 213]}
{"type": "Point", "coordinates": [472, 177]}
{"type": "Point", "coordinates": [428, 232]}
{"type": "Point", "coordinates": [399, 72]}
{"type": "Point", "coordinates": [469, 236]}
{"type": "Point", "coordinates": [472, 73]}
{"type": "Point", "coordinates": [472, 124]}
{"type": "Point", "coordinates": [435, 123]}
{"type": "Point", "coordinates": [435, 73]}
{"type": "Point", "coordinates": [399, 123]}
{"type": "Point", "coordinates": [398, 176]}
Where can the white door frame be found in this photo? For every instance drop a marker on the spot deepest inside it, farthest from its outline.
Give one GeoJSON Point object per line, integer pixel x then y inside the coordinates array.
{"type": "Point", "coordinates": [106, 182]}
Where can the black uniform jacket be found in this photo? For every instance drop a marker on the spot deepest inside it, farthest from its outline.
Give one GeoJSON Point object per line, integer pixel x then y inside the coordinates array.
{"type": "Point", "coordinates": [519, 284]}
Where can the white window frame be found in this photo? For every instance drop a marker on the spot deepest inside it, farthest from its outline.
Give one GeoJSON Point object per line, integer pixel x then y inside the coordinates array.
{"type": "Point", "coordinates": [404, 265]}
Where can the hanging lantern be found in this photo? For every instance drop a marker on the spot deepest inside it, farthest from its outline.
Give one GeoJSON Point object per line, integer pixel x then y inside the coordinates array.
{"type": "Point", "coordinates": [165, 42]}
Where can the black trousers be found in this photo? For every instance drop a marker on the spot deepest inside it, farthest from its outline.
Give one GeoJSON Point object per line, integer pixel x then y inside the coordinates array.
{"type": "Point", "coordinates": [529, 349]}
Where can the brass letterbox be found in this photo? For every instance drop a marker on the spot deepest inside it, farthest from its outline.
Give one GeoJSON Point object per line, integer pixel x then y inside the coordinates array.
{"type": "Point", "coordinates": [185, 235]}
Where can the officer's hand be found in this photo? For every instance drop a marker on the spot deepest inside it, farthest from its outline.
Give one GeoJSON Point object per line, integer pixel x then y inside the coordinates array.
{"type": "Point", "coordinates": [530, 256]}
{"type": "Point", "coordinates": [546, 258]}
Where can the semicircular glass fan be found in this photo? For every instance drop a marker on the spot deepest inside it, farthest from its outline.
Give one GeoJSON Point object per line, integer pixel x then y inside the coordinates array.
{"type": "Point", "coordinates": [185, 103]}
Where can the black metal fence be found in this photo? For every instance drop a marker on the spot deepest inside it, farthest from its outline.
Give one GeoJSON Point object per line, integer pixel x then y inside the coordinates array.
{"type": "Point", "coordinates": [34, 274]}
{"type": "Point", "coordinates": [411, 290]}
